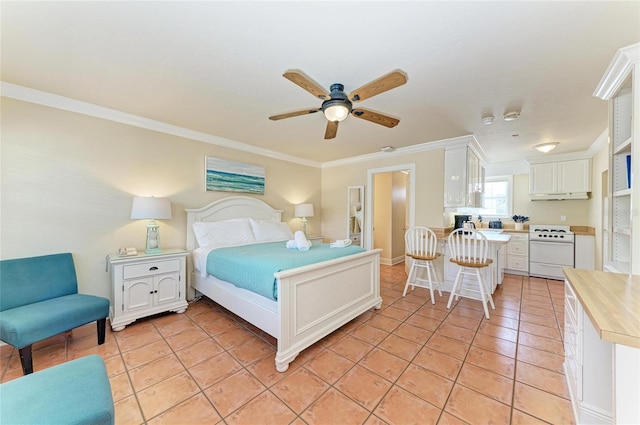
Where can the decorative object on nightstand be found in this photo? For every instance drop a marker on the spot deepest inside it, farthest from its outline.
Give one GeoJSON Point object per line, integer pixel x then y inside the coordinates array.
{"type": "Point", "coordinates": [519, 221]}
{"type": "Point", "coordinates": [304, 211]}
{"type": "Point", "coordinates": [151, 208]}
{"type": "Point", "coordinates": [146, 285]}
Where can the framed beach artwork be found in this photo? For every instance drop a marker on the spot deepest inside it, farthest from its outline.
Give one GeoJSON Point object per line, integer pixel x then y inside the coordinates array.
{"type": "Point", "coordinates": [229, 176]}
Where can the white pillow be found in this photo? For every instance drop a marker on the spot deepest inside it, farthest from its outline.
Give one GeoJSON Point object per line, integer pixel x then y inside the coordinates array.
{"type": "Point", "coordinates": [220, 234]}
{"type": "Point", "coordinates": [270, 231]}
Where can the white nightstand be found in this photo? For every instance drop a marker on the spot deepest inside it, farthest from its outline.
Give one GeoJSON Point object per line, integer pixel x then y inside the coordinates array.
{"type": "Point", "coordinates": [315, 238]}
{"type": "Point", "coordinates": [144, 284]}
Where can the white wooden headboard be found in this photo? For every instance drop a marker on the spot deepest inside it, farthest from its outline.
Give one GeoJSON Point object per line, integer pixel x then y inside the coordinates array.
{"type": "Point", "coordinates": [227, 208]}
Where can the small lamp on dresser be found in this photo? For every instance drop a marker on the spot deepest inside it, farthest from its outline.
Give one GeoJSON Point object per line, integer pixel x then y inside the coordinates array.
{"type": "Point", "coordinates": [304, 211]}
{"type": "Point", "coordinates": [151, 208]}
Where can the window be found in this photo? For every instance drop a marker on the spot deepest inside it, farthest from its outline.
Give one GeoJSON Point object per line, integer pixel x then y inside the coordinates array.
{"type": "Point", "coordinates": [498, 199]}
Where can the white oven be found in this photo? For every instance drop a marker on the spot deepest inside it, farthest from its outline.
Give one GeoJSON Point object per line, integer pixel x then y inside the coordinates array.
{"type": "Point", "coordinates": [550, 249]}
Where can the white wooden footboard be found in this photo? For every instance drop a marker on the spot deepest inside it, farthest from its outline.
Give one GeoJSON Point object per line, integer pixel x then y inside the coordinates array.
{"type": "Point", "coordinates": [315, 300]}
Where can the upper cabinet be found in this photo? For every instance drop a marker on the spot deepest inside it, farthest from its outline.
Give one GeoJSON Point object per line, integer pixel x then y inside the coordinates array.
{"type": "Point", "coordinates": [463, 178]}
{"type": "Point", "coordinates": [560, 180]}
{"type": "Point", "coordinates": [620, 86]}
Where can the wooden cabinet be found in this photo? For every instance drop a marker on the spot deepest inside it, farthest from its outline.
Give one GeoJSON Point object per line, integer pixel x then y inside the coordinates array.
{"type": "Point", "coordinates": [620, 86]}
{"type": "Point", "coordinates": [464, 178]}
{"type": "Point", "coordinates": [562, 178]}
{"type": "Point", "coordinates": [146, 284]}
{"type": "Point", "coordinates": [518, 254]}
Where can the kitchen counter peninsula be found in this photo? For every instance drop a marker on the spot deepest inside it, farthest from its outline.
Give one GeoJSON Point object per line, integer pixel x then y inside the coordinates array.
{"type": "Point", "coordinates": [602, 345]}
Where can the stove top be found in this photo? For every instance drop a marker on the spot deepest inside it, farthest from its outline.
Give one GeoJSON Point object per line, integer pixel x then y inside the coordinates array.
{"type": "Point", "coordinates": [550, 232]}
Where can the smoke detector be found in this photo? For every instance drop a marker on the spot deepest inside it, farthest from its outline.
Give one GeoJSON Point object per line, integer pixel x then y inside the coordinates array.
{"type": "Point", "coordinates": [488, 120]}
{"type": "Point", "coordinates": [510, 116]}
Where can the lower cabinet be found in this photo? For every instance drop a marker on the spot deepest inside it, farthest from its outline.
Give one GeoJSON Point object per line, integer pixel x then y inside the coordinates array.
{"type": "Point", "coordinates": [146, 284]}
{"type": "Point", "coordinates": [589, 364]}
{"type": "Point", "coordinates": [518, 254]}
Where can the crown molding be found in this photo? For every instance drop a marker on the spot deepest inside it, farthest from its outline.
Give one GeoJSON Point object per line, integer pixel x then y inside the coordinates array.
{"type": "Point", "coordinates": [60, 102]}
{"type": "Point", "coordinates": [26, 94]}
{"type": "Point", "coordinates": [617, 72]}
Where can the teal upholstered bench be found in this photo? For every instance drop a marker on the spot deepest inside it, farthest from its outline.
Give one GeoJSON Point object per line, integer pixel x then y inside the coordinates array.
{"type": "Point", "coordinates": [77, 392]}
{"type": "Point", "coordinates": [39, 299]}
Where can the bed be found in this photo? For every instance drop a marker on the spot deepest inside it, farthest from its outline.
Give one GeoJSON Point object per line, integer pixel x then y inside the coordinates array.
{"type": "Point", "coordinates": [312, 301]}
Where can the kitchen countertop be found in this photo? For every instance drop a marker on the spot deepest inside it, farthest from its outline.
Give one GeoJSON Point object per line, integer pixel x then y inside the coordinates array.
{"type": "Point", "coordinates": [611, 301]}
{"type": "Point", "coordinates": [492, 237]}
{"type": "Point", "coordinates": [583, 230]}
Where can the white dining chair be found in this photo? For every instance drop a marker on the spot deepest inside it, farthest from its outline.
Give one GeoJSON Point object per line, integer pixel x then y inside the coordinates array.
{"type": "Point", "coordinates": [421, 246]}
{"type": "Point", "coordinates": [469, 249]}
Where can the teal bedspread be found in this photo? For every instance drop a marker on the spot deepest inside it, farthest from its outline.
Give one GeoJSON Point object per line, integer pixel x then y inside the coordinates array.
{"type": "Point", "coordinates": [252, 267]}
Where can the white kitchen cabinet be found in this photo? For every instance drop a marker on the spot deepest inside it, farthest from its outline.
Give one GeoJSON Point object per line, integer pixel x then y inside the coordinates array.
{"type": "Point", "coordinates": [144, 285]}
{"type": "Point", "coordinates": [620, 86]}
{"type": "Point", "coordinates": [464, 178]}
{"type": "Point", "coordinates": [518, 254]}
{"type": "Point", "coordinates": [585, 252]}
{"type": "Point", "coordinates": [561, 177]}
{"type": "Point", "coordinates": [588, 361]}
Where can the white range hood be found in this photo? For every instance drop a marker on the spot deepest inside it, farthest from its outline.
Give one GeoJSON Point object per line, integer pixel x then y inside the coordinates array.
{"type": "Point", "coordinates": [558, 196]}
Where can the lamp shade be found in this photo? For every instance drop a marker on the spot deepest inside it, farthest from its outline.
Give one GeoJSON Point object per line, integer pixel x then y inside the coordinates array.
{"type": "Point", "coordinates": [148, 207]}
{"type": "Point", "coordinates": [304, 210]}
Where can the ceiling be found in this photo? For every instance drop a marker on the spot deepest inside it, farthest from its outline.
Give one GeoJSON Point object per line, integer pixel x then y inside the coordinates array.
{"type": "Point", "coordinates": [216, 67]}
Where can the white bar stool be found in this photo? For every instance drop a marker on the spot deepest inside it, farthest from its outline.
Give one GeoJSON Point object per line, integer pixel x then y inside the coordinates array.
{"type": "Point", "coordinates": [421, 244]}
{"type": "Point", "coordinates": [469, 250]}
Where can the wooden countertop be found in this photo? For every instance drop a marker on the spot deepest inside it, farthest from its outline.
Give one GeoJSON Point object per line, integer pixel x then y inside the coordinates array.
{"type": "Point", "coordinates": [583, 230]}
{"type": "Point", "coordinates": [612, 302]}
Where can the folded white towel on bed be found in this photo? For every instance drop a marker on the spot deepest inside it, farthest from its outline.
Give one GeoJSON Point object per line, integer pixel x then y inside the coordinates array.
{"type": "Point", "coordinates": [340, 243]}
{"type": "Point", "coordinates": [300, 242]}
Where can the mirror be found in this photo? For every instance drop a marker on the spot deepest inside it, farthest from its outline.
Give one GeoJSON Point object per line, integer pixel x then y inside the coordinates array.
{"type": "Point", "coordinates": [355, 214]}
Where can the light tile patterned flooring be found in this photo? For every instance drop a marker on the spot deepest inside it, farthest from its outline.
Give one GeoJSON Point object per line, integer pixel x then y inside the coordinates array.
{"type": "Point", "coordinates": [409, 363]}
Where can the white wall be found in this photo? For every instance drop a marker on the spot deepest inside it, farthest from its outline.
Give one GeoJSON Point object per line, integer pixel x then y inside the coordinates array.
{"type": "Point", "coordinates": [68, 180]}
{"type": "Point", "coordinates": [548, 212]}
{"type": "Point", "coordinates": [429, 190]}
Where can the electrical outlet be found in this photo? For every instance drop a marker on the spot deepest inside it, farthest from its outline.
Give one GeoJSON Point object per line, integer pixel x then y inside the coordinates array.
{"type": "Point", "coordinates": [563, 218]}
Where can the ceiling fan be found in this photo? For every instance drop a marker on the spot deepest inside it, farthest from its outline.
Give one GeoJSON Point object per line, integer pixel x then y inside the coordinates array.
{"type": "Point", "coordinates": [336, 105]}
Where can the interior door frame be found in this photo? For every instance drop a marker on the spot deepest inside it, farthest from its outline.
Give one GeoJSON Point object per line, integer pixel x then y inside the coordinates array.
{"type": "Point", "coordinates": [368, 201]}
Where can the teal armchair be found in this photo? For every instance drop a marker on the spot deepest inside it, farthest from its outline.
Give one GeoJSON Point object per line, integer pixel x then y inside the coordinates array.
{"type": "Point", "coordinates": [39, 299]}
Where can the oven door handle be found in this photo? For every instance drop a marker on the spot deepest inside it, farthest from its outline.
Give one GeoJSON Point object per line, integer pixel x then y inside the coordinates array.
{"type": "Point", "coordinates": [551, 243]}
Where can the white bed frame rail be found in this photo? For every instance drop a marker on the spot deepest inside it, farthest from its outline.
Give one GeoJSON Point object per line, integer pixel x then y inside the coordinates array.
{"type": "Point", "coordinates": [313, 300]}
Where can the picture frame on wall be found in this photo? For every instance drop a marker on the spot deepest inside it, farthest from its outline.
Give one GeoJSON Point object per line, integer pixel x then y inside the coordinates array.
{"type": "Point", "coordinates": [222, 175]}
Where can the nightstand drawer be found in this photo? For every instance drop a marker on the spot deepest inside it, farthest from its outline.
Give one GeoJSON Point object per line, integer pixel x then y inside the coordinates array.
{"type": "Point", "coordinates": [150, 268]}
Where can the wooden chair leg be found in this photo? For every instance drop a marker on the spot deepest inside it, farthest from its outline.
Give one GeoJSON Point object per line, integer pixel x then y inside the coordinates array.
{"type": "Point", "coordinates": [101, 324]}
{"type": "Point", "coordinates": [26, 360]}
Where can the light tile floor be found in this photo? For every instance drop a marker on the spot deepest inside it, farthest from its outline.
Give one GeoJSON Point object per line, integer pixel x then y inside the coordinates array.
{"type": "Point", "coordinates": [409, 363]}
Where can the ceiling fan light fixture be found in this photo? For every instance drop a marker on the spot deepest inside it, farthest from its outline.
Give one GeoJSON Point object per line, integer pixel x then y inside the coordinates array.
{"type": "Point", "coordinates": [546, 147]}
{"type": "Point", "coordinates": [336, 110]}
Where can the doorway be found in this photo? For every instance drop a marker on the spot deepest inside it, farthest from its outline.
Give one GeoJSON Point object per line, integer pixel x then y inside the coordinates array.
{"type": "Point", "coordinates": [385, 187]}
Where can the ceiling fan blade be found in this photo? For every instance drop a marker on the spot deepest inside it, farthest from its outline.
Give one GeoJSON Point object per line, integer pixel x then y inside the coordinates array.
{"type": "Point", "coordinates": [294, 114]}
{"type": "Point", "coordinates": [375, 117]}
{"type": "Point", "coordinates": [304, 81]}
{"type": "Point", "coordinates": [386, 82]}
{"type": "Point", "coordinates": [332, 130]}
